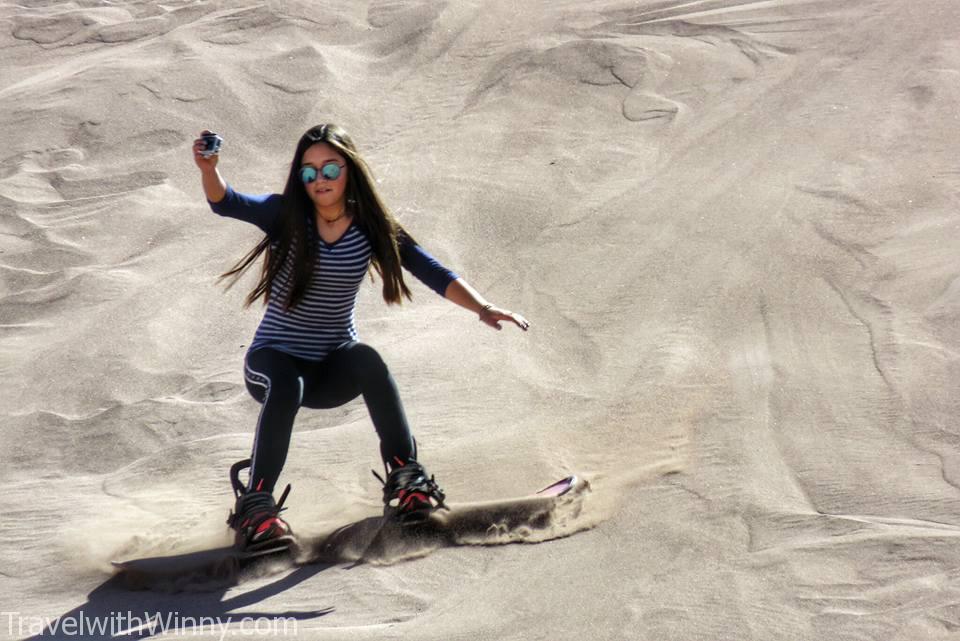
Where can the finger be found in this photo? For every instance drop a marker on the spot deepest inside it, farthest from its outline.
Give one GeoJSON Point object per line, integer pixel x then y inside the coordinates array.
{"type": "Point", "coordinates": [516, 319]}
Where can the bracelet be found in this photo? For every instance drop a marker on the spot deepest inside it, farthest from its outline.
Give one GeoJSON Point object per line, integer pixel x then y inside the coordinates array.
{"type": "Point", "coordinates": [483, 309]}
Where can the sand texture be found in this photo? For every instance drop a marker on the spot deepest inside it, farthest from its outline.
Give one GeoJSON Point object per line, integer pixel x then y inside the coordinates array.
{"type": "Point", "coordinates": [732, 225]}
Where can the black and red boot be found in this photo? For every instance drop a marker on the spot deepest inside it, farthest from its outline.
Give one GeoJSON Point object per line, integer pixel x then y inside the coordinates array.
{"type": "Point", "coordinates": [256, 516]}
{"type": "Point", "coordinates": [409, 495]}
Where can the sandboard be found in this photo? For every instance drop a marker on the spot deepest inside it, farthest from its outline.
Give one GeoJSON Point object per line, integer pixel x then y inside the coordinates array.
{"type": "Point", "coordinates": [530, 518]}
{"type": "Point", "coordinates": [375, 540]}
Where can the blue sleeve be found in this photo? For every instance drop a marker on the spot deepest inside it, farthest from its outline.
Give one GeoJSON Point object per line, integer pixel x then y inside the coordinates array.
{"type": "Point", "coordinates": [262, 210]}
{"type": "Point", "coordinates": [425, 267]}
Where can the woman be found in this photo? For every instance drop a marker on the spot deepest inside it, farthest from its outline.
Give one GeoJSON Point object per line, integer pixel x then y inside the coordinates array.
{"type": "Point", "coordinates": [323, 234]}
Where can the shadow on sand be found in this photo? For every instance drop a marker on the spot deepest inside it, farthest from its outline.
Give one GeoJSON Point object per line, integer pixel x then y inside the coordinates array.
{"type": "Point", "coordinates": [114, 611]}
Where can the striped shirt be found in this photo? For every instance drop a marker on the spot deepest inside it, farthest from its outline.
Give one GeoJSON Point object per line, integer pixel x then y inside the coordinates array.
{"type": "Point", "coordinates": [325, 318]}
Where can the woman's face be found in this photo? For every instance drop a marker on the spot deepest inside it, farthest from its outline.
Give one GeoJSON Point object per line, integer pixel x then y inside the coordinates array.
{"type": "Point", "coordinates": [325, 193]}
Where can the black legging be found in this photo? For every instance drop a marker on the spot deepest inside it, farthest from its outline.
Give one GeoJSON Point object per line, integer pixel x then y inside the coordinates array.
{"type": "Point", "coordinates": [283, 383]}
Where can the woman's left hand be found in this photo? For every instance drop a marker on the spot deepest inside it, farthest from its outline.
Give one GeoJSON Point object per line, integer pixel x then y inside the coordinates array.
{"type": "Point", "coordinates": [492, 315]}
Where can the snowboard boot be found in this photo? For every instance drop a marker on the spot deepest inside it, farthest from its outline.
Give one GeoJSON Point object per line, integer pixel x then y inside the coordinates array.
{"type": "Point", "coordinates": [256, 516]}
{"type": "Point", "coordinates": [408, 495]}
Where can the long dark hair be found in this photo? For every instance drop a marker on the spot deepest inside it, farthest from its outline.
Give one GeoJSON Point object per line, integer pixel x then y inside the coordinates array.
{"type": "Point", "coordinates": [293, 241]}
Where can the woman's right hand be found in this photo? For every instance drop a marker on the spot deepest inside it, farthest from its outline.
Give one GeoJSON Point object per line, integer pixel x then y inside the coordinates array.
{"type": "Point", "coordinates": [214, 187]}
{"type": "Point", "coordinates": [206, 164]}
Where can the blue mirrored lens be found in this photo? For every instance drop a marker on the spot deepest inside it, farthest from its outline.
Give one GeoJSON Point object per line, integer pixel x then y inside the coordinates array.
{"type": "Point", "coordinates": [330, 171]}
{"type": "Point", "coordinates": [308, 174]}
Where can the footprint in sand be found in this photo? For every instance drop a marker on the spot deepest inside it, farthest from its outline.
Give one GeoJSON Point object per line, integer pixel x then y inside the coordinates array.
{"type": "Point", "coordinates": [75, 189]}
{"type": "Point", "coordinates": [40, 160]}
{"type": "Point", "coordinates": [58, 29]}
{"type": "Point", "coordinates": [68, 28]}
{"type": "Point", "coordinates": [644, 106]}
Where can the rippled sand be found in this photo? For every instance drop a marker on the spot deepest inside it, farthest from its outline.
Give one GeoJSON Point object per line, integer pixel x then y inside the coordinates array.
{"type": "Point", "coordinates": [733, 226]}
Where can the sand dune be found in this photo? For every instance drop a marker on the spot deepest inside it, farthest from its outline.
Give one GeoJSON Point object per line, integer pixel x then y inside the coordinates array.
{"type": "Point", "coordinates": [733, 226]}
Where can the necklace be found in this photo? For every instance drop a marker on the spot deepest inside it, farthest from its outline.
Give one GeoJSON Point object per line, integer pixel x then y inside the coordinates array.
{"type": "Point", "coordinates": [330, 221]}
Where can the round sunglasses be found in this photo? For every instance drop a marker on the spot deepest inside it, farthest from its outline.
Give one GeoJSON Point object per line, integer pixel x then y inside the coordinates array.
{"type": "Point", "coordinates": [329, 171]}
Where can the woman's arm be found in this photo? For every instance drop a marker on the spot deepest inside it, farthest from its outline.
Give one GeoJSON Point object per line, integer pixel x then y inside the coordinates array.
{"type": "Point", "coordinates": [460, 292]}
{"type": "Point", "coordinates": [214, 186]}
{"type": "Point", "coordinates": [262, 210]}
{"type": "Point", "coordinates": [446, 283]}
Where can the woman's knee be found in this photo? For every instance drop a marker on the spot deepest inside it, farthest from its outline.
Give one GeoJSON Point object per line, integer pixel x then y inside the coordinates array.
{"type": "Point", "coordinates": [365, 361]}
{"type": "Point", "coordinates": [268, 374]}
